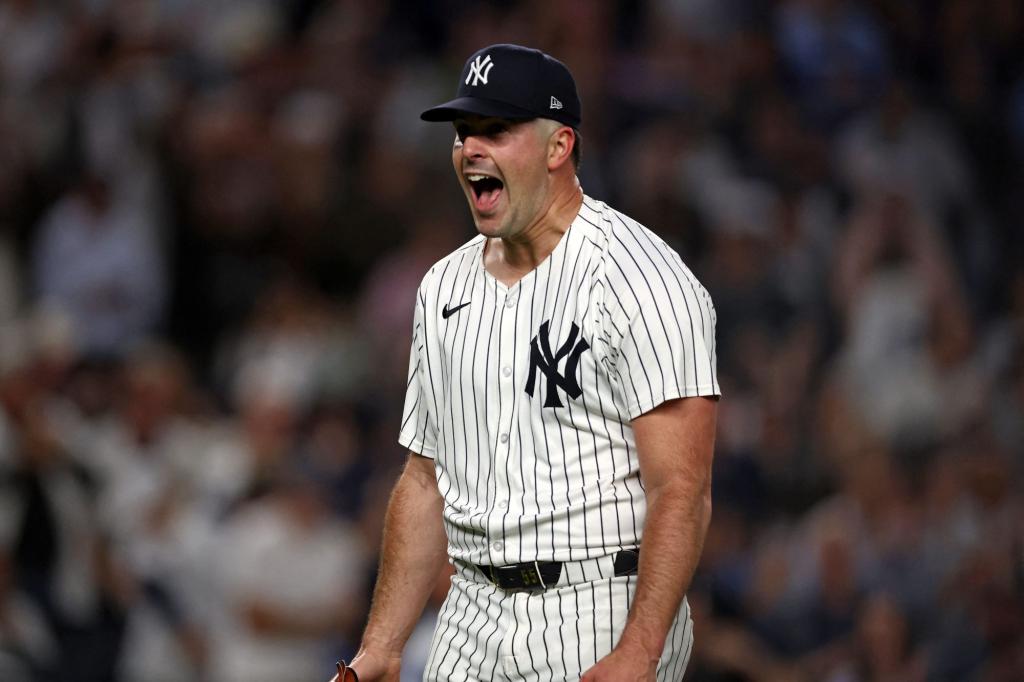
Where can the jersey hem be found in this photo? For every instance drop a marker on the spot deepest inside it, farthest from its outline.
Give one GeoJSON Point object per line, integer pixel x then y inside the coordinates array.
{"type": "Point", "coordinates": [417, 446]}
{"type": "Point", "coordinates": [635, 410]}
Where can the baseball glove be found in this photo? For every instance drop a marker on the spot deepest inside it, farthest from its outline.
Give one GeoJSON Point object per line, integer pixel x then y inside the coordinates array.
{"type": "Point", "coordinates": [345, 673]}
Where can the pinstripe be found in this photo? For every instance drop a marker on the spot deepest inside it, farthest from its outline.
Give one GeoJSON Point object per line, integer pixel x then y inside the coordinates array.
{"type": "Point", "coordinates": [479, 451]}
{"type": "Point", "coordinates": [597, 465]}
{"type": "Point", "coordinates": [487, 384]}
{"type": "Point", "coordinates": [593, 604]}
{"type": "Point", "coordinates": [511, 599]}
{"type": "Point", "coordinates": [452, 627]}
{"type": "Point", "coordinates": [460, 473]}
{"type": "Point", "coordinates": [647, 330]}
{"type": "Point", "coordinates": [494, 667]}
{"type": "Point", "coordinates": [454, 634]}
{"type": "Point", "coordinates": [546, 660]}
{"type": "Point", "coordinates": [654, 268]}
{"type": "Point", "coordinates": [442, 633]}
{"type": "Point", "coordinates": [610, 621]}
{"type": "Point", "coordinates": [427, 350]}
{"type": "Point", "coordinates": [535, 406]}
{"type": "Point", "coordinates": [579, 450]}
{"type": "Point", "coordinates": [437, 304]}
{"type": "Point", "coordinates": [562, 648]}
{"type": "Point", "coordinates": [668, 659]}
{"type": "Point", "coordinates": [627, 334]}
{"type": "Point", "coordinates": [640, 308]}
{"type": "Point", "coordinates": [547, 447]}
{"type": "Point", "coordinates": [708, 308]}
{"type": "Point", "coordinates": [521, 458]}
{"type": "Point", "coordinates": [410, 411]}
{"type": "Point", "coordinates": [485, 455]}
{"type": "Point", "coordinates": [472, 606]}
{"type": "Point", "coordinates": [485, 655]}
{"type": "Point", "coordinates": [502, 602]}
{"type": "Point", "coordinates": [531, 628]}
{"type": "Point", "coordinates": [689, 650]}
{"type": "Point", "coordinates": [569, 474]}
{"type": "Point", "coordinates": [634, 500]}
{"type": "Point", "coordinates": [572, 421]}
{"type": "Point", "coordinates": [463, 326]}
{"type": "Point", "coordinates": [579, 639]}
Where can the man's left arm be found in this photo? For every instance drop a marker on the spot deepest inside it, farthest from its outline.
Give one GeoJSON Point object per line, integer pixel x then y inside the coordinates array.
{"type": "Point", "coordinates": [675, 445]}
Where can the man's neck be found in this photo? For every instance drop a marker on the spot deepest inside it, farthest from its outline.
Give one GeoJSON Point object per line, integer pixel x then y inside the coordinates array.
{"type": "Point", "coordinates": [509, 260]}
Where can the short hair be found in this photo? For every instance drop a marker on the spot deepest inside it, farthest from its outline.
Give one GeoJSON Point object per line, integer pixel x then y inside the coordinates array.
{"type": "Point", "coordinates": [577, 149]}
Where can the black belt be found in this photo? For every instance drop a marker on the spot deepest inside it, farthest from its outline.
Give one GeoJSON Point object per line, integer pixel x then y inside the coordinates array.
{"type": "Point", "coordinates": [540, 575]}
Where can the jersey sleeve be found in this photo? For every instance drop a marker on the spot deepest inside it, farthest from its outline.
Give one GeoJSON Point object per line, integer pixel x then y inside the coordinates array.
{"type": "Point", "coordinates": [667, 339]}
{"type": "Point", "coordinates": [419, 424]}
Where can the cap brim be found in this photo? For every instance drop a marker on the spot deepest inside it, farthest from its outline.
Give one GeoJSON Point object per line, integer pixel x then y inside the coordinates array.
{"type": "Point", "coordinates": [460, 106]}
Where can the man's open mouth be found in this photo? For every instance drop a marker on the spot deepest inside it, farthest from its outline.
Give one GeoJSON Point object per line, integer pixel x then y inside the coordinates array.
{"type": "Point", "coordinates": [486, 190]}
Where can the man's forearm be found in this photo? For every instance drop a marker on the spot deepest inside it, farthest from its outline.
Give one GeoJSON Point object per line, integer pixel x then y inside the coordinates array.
{"type": "Point", "coordinates": [675, 445]}
{"type": "Point", "coordinates": [677, 521]}
{"type": "Point", "coordinates": [413, 553]}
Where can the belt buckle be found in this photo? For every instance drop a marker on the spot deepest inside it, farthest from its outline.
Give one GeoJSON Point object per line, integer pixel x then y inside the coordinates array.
{"type": "Point", "coordinates": [524, 576]}
{"type": "Point", "coordinates": [531, 576]}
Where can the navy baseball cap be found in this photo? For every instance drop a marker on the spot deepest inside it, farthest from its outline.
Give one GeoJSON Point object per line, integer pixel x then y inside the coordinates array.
{"type": "Point", "coordinates": [513, 82]}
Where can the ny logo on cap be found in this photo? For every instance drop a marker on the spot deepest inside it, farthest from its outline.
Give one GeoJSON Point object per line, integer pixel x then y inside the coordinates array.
{"type": "Point", "coordinates": [479, 70]}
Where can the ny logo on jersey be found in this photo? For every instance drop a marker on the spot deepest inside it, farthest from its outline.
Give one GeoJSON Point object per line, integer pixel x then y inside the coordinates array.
{"type": "Point", "coordinates": [479, 70]}
{"type": "Point", "coordinates": [543, 359]}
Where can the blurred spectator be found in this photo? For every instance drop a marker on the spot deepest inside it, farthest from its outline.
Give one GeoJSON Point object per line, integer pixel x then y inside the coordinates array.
{"type": "Point", "coordinates": [28, 650]}
{"type": "Point", "coordinates": [51, 528]}
{"type": "Point", "coordinates": [897, 145]}
{"type": "Point", "coordinates": [883, 649]}
{"type": "Point", "coordinates": [154, 514]}
{"type": "Point", "coordinates": [31, 35]}
{"type": "Point", "coordinates": [290, 578]}
{"type": "Point", "coordinates": [333, 454]}
{"type": "Point", "coordinates": [892, 277]}
{"type": "Point", "coordinates": [835, 52]}
{"type": "Point", "coordinates": [99, 261]}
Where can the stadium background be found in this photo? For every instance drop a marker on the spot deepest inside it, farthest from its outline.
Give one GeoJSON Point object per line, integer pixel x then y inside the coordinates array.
{"type": "Point", "coordinates": [213, 218]}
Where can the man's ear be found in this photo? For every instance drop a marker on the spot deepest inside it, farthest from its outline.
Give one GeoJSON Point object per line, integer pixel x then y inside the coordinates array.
{"type": "Point", "coordinates": [560, 146]}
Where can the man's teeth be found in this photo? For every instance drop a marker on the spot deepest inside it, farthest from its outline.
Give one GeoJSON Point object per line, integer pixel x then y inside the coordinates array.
{"type": "Point", "coordinates": [475, 178]}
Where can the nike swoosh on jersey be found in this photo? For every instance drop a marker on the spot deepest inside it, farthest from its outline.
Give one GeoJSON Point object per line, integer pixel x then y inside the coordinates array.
{"type": "Point", "coordinates": [447, 312]}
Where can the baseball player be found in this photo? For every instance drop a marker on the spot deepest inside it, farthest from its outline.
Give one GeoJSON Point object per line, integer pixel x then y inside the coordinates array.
{"type": "Point", "coordinates": [560, 415]}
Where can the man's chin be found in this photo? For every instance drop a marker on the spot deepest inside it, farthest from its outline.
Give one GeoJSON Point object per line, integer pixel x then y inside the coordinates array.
{"type": "Point", "coordinates": [488, 226]}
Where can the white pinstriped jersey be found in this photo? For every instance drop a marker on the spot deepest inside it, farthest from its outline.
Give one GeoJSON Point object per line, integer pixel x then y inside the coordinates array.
{"type": "Point", "coordinates": [523, 395]}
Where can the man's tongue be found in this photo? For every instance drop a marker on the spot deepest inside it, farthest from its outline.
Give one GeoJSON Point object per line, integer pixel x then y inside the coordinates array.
{"type": "Point", "coordinates": [486, 195]}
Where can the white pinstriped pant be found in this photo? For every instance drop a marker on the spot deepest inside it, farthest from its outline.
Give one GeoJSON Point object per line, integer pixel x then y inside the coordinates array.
{"type": "Point", "coordinates": [484, 633]}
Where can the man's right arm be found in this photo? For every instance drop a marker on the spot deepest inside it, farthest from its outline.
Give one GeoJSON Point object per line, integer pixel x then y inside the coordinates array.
{"type": "Point", "coordinates": [414, 552]}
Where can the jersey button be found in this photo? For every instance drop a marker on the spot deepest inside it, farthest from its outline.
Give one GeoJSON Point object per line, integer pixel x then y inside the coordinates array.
{"type": "Point", "coordinates": [506, 371]}
{"type": "Point", "coordinates": [498, 546]}
{"type": "Point", "coordinates": [503, 505]}
{"type": "Point", "coordinates": [503, 438]}
{"type": "Point", "coordinates": [510, 302]}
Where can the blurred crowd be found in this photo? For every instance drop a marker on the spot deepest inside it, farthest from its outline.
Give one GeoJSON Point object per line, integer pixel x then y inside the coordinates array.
{"type": "Point", "coordinates": [214, 217]}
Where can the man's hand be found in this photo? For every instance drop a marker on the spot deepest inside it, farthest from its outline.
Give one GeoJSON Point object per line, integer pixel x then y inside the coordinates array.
{"type": "Point", "coordinates": [373, 667]}
{"type": "Point", "coordinates": [413, 554]}
{"type": "Point", "coordinates": [624, 664]}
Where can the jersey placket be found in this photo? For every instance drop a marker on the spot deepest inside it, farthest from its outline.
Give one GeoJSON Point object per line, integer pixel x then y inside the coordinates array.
{"type": "Point", "coordinates": [505, 457]}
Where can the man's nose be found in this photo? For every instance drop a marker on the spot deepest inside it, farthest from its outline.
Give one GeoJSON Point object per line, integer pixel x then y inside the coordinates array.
{"type": "Point", "coordinates": [473, 147]}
